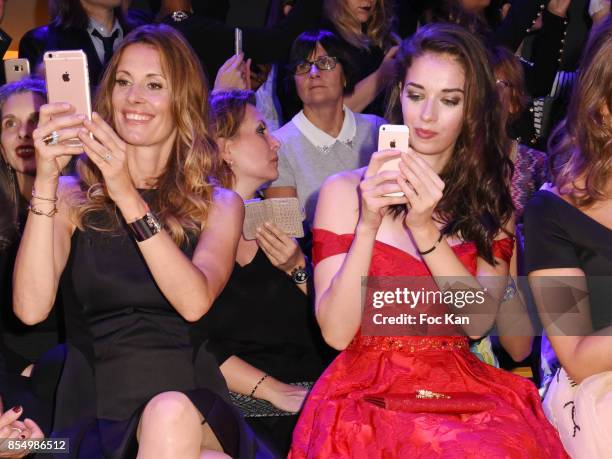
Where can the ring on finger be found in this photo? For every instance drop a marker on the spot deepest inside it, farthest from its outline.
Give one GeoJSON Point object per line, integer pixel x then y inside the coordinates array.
{"type": "Point", "coordinates": [51, 139]}
{"type": "Point", "coordinates": [108, 157]}
{"type": "Point", "coordinates": [17, 429]}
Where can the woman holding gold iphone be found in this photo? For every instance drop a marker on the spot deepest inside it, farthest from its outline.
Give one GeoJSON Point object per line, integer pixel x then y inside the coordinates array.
{"type": "Point", "coordinates": [421, 394]}
{"type": "Point", "coordinates": [130, 242]}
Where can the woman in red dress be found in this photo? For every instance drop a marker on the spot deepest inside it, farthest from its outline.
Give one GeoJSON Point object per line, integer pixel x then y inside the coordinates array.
{"type": "Point", "coordinates": [422, 396]}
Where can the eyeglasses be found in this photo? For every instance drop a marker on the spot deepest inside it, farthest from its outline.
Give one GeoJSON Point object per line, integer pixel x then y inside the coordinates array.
{"type": "Point", "coordinates": [321, 62]}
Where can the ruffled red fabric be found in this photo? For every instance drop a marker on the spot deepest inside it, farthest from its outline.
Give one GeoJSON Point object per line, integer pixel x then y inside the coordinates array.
{"type": "Point", "coordinates": [339, 420]}
{"type": "Point", "coordinates": [327, 244]}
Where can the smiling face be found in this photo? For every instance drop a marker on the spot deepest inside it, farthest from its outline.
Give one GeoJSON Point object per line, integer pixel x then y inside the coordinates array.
{"type": "Point", "coordinates": [142, 98]}
{"type": "Point", "coordinates": [320, 87]}
{"type": "Point", "coordinates": [433, 107]}
{"type": "Point", "coordinates": [362, 10]}
{"type": "Point", "coordinates": [19, 119]}
{"type": "Point", "coordinates": [253, 151]}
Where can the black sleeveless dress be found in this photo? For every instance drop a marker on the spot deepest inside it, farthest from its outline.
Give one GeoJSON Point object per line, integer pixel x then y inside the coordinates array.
{"type": "Point", "coordinates": [125, 344]}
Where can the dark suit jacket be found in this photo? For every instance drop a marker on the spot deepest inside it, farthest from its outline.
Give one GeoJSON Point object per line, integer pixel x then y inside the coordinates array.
{"type": "Point", "coordinates": [5, 42]}
{"type": "Point", "coordinates": [37, 41]}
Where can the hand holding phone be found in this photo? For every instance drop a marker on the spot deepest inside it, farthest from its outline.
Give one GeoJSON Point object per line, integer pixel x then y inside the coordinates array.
{"type": "Point", "coordinates": [393, 137]}
{"type": "Point", "coordinates": [67, 78]}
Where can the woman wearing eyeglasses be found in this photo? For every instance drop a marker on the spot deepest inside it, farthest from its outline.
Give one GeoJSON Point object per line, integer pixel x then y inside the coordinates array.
{"type": "Point", "coordinates": [326, 137]}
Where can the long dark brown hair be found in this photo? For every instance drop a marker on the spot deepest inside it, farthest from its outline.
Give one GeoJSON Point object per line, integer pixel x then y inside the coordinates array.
{"type": "Point", "coordinates": [581, 146]}
{"type": "Point", "coordinates": [476, 204]}
{"type": "Point", "coordinates": [185, 191]}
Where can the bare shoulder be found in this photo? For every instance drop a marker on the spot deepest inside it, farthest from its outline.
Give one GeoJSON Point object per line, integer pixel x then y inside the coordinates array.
{"type": "Point", "coordinates": [338, 203]}
{"type": "Point", "coordinates": [345, 182]}
{"type": "Point", "coordinates": [226, 200]}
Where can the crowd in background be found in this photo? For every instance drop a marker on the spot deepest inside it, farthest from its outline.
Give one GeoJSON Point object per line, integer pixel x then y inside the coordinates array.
{"type": "Point", "coordinates": [137, 319]}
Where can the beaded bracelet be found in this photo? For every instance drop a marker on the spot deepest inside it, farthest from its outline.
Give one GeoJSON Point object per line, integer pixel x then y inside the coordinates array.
{"type": "Point", "coordinates": [258, 383]}
{"type": "Point", "coordinates": [434, 246]}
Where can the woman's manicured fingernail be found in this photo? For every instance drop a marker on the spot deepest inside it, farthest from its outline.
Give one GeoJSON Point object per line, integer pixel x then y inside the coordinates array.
{"type": "Point", "coordinates": [17, 409]}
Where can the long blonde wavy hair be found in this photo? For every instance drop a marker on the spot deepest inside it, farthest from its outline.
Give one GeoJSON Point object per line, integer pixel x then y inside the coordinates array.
{"type": "Point", "coordinates": [581, 146]}
{"type": "Point", "coordinates": [185, 191]}
{"type": "Point", "coordinates": [227, 114]}
{"type": "Point", "coordinates": [377, 30]}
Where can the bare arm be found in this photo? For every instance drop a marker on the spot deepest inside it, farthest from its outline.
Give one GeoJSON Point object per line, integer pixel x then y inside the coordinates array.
{"type": "Point", "coordinates": [282, 251]}
{"type": "Point", "coordinates": [45, 245]}
{"type": "Point", "coordinates": [338, 278]}
{"type": "Point", "coordinates": [368, 89]}
{"type": "Point", "coordinates": [581, 356]}
{"type": "Point", "coordinates": [365, 92]}
{"type": "Point", "coordinates": [424, 189]}
{"type": "Point", "coordinates": [243, 378]}
{"type": "Point", "coordinates": [513, 322]}
{"type": "Point", "coordinates": [42, 256]}
{"type": "Point", "coordinates": [191, 286]}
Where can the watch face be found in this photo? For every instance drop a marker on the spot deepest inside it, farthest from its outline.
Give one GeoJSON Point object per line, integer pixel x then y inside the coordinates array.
{"type": "Point", "coordinates": [179, 16]}
{"type": "Point", "coordinates": [300, 276]}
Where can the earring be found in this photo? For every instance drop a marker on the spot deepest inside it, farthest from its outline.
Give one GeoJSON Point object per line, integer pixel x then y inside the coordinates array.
{"type": "Point", "coordinates": [10, 172]}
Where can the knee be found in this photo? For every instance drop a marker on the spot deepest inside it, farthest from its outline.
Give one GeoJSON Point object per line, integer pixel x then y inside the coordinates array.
{"type": "Point", "coordinates": [171, 409]}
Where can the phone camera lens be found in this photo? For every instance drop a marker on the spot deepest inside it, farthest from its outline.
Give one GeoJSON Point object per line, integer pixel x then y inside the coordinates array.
{"type": "Point", "coordinates": [17, 68]}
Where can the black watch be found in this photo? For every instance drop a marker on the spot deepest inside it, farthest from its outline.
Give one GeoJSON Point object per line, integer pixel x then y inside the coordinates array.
{"type": "Point", "coordinates": [180, 15]}
{"type": "Point", "coordinates": [301, 274]}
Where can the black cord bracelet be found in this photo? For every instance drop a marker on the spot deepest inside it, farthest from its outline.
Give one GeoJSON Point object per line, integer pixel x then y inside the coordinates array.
{"type": "Point", "coordinates": [433, 247]}
{"type": "Point", "coordinates": [258, 383]}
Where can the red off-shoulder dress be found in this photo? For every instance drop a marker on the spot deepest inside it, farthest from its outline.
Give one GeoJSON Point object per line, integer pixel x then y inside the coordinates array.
{"type": "Point", "coordinates": [491, 413]}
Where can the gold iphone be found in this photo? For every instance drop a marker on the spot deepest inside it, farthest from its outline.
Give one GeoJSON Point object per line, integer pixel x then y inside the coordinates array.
{"type": "Point", "coordinates": [393, 137]}
{"type": "Point", "coordinates": [67, 77]}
